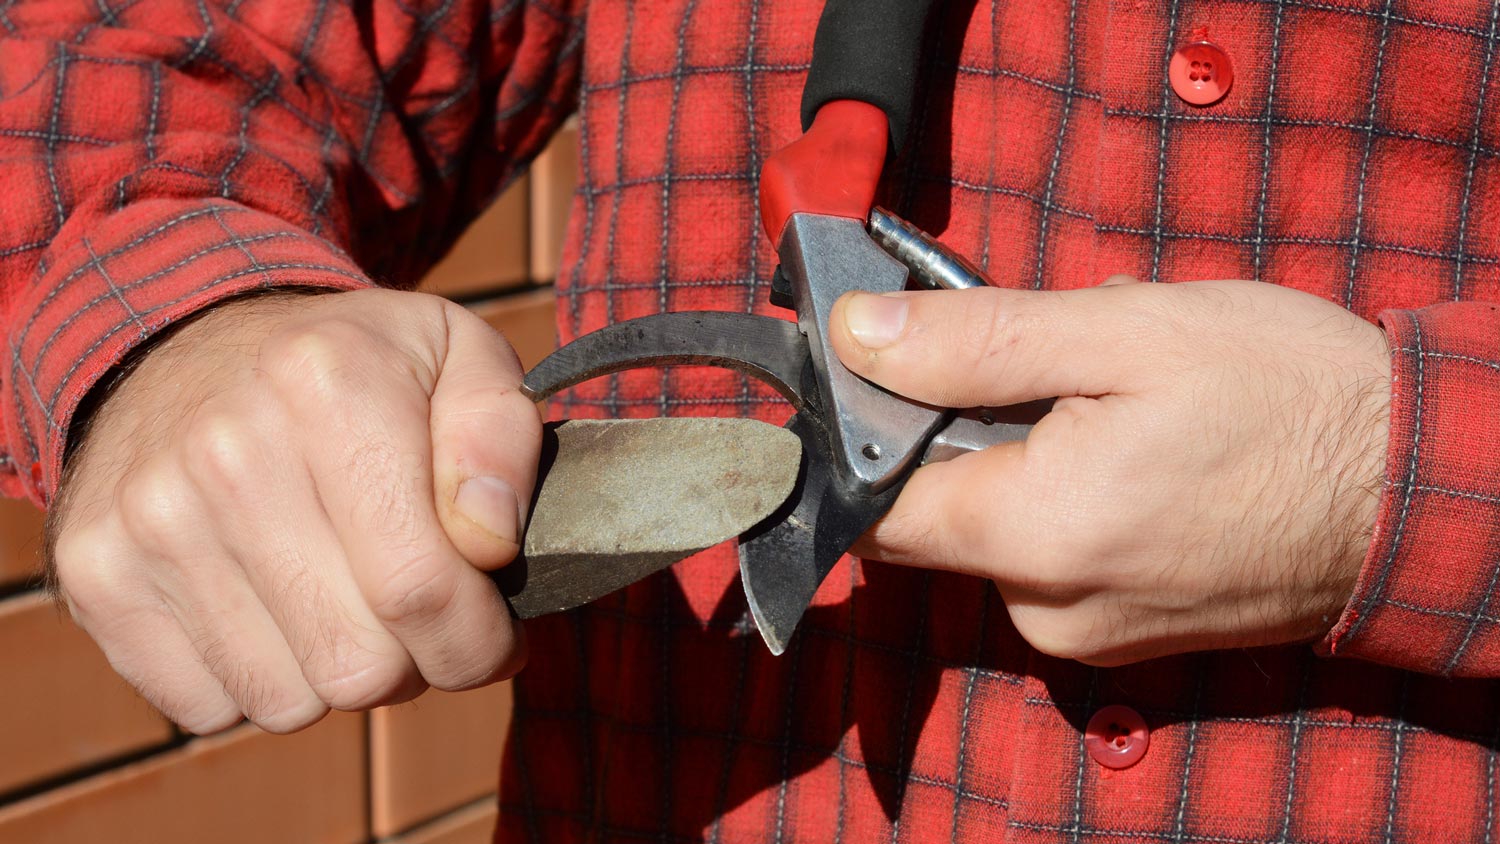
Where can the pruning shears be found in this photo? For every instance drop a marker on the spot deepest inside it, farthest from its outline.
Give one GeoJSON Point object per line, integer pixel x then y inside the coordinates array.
{"type": "Point", "coordinates": [846, 453]}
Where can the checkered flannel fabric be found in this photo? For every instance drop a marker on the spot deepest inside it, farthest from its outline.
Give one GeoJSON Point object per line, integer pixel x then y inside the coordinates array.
{"type": "Point", "coordinates": [157, 156]}
{"type": "Point", "coordinates": [160, 155]}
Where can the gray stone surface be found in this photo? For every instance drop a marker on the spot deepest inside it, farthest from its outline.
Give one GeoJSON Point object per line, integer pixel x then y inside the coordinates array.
{"type": "Point", "coordinates": [626, 498]}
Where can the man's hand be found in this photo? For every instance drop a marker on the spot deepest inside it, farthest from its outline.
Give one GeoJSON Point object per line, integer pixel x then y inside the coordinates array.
{"type": "Point", "coordinates": [286, 507]}
{"type": "Point", "coordinates": [1208, 478]}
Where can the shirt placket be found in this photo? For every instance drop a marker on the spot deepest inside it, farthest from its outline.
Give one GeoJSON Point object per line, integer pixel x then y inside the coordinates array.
{"type": "Point", "coordinates": [1102, 753]}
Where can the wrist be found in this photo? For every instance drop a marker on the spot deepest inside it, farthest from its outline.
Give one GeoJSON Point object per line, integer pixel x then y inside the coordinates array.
{"type": "Point", "coordinates": [1358, 485]}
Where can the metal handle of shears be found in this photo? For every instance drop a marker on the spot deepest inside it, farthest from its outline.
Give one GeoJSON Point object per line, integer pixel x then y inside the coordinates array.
{"type": "Point", "coordinates": [931, 264]}
{"type": "Point", "coordinates": [936, 267]}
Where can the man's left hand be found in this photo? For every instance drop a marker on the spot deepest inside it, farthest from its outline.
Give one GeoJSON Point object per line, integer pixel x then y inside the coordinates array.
{"type": "Point", "coordinates": [1208, 477]}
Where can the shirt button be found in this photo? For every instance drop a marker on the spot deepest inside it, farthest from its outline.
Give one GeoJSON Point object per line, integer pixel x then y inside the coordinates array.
{"type": "Point", "coordinates": [1116, 737]}
{"type": "Point", "coordinates": [1201, 71]}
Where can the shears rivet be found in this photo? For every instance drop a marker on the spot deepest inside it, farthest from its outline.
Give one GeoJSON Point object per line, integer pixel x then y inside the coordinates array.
{"type": "Point", "coordinates": [871, 451]}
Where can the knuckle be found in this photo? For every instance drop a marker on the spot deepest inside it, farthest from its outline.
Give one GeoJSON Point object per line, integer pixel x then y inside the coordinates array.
{"type": "Point", "coordinates": [1173, 316]}
{"type": "Point", "coordinates": [155, 504]}
{"type": "Point", "coordinates": [498, 659]}
{"type": "Point", "coordinates": [201, 709]}
{"type": "Point", "coordinates": [90, 581]}
{"type": "Point", "coordinates": [475, 671]}
{"type": "Point", "coordinates": [222, 452]}
{"type": "Point", "coordinates": [314, 358]}
{"type": "Point", "coordinates": [338, 659]}
{"type": "Point", "coordinates": [494, 659]}
{"type": "Point", "coordinates": [965, 347]}
{"type": "Point", "coordinates": [202, 718]}
{"type": "Point", "coordinates": [422, 588]}
{"type": "Point", "coordinates": [290, 716]}
{"type": "Point", "coordinates": [365, 687]}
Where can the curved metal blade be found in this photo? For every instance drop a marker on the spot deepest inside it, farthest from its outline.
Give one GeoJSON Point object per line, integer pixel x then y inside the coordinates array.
{"type": "Point", "coordinates": [784, 559]}
{"type": "Point", "coordinates": [766, 348]}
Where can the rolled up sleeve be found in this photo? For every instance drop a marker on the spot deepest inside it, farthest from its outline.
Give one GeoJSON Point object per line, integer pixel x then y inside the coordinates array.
{"type": "Point", "coordinates": [1426, 597]}
{"type": "Point", "coordinates": [158, 156]}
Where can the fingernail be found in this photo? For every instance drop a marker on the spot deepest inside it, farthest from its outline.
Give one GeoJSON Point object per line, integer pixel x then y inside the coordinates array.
{"type": "Point", "coordinates": [491, 504]}
{"type": "Point", "coordinates": [875, 321]}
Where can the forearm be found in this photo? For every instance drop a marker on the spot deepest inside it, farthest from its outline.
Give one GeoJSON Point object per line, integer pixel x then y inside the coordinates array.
{"type": "Point", "coordinates": [162, 156]}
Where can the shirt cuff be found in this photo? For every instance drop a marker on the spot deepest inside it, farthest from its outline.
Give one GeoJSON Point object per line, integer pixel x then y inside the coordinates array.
{"type": "Point", "coordinates": [109, 288]}
{"type": "Point", "coordinates": [1425, 598]}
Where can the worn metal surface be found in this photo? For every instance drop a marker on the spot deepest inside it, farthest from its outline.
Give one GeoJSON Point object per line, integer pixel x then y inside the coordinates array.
{"type": "Point", "coordinates": [766, 348]}
{"type": "Point", "coordinates": [877, 436]}
{"type": "Point", "coordinates": [619, 500]}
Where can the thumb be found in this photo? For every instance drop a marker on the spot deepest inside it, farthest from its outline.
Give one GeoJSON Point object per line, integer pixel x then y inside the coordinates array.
{"type": "Point", "coordinates": [990, 346]}
{"type": "Point", "coordinates": [486, 441]}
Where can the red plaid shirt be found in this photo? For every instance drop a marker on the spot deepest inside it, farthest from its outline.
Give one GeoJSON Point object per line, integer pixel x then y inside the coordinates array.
{"type": "Point", "coordinates": [159, 155]}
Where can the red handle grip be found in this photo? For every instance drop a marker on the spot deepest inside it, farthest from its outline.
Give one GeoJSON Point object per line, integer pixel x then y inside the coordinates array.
{"type": "Point", "coordinates": [833, 169]}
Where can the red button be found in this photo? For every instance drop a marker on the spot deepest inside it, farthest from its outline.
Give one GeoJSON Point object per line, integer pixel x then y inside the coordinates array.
{"type": "Point", "coordinates": [1116, 737]}
{"type": "Point", "coordinates": [1201, 72]}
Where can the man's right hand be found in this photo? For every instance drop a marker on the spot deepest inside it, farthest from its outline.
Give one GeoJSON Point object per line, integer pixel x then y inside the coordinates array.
{"type": "Point", "coordinates": [286, 508]}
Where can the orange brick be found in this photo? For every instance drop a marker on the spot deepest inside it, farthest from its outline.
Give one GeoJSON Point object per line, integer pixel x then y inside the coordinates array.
{"type": "Point", "coordinates": [554, 177]}
{"type": "Point", "coordinates": [492, 254]}
{"type": "Point", "coordinates": [243, 786]}
{"type": "Point", "coordinates": [470, 825]}
{"type": "Point", "coordinates": [20, 540]}
{"type": "Point", "coordinates": [64, 707]}
{"type": "Point", "coordinates": [434, 754]}
{"type": "Point", "coordinates": [526, 320]}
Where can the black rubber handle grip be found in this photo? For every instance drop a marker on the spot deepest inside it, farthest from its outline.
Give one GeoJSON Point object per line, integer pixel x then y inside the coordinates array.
{"type": "Point", "coordinates": [868, 50]}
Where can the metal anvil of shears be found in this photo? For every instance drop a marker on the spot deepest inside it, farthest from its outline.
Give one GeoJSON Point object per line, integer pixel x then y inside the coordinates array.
{"type": "Point", "coordinates": [843, 457]}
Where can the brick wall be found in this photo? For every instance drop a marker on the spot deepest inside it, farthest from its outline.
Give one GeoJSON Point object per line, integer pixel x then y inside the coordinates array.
{"type": "Point", "coordinates": [83, 760]}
